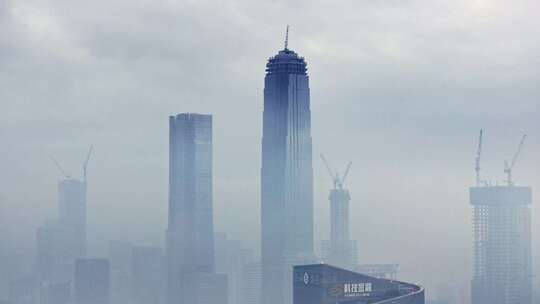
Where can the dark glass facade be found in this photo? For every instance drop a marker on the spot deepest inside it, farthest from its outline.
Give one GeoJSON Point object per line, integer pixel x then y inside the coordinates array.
{"type": "Point", "coordinates": [286, 174]}
{"type": "Point", "coordinates": [326, 284]}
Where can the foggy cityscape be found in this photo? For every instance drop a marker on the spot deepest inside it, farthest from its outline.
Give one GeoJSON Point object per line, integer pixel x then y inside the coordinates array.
{"type": "Point", "coordinates": [204, 152]}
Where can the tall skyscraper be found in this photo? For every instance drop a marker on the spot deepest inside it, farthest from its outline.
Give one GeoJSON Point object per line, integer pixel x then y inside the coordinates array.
{"type": "Point", "coordinates": [72, 209]}
{"type": "Point", "coordinates": [190, 232]}
{"type": "Point", "coordinates": [286, 174]}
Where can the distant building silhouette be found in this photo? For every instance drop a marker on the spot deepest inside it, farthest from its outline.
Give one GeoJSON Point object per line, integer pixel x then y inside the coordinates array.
{"type": "Point", "coordinates": [24, 290]}
{"type": "Point", "coordinates": [148, 275]}
{"type": "Point", "coordinates": [120, 258]}
{"type": "Point", "coordinates": [92, 281]}
{"type": "Point", "coordinates": [56, 293]}
{"type": "Point", "coordinates": [72, 210]}
{"type": "Point", "coordinates": [286, 175]}
{"type": "Point", "coordinates": [231, 257]}
{"type": "Point", "coordinates": [62, 240]}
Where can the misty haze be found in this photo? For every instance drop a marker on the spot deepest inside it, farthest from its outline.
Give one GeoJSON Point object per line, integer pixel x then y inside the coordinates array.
{"type": "Point", "coordinates": [269, 152]}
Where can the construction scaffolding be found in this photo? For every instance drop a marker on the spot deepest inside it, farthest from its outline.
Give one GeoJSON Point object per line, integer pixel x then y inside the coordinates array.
{"type": "Point", "coordinates": [502, 239]}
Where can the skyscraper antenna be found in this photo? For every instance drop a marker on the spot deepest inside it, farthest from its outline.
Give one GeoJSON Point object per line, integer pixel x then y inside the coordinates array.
{"type": "Point", "coordinates": [287, 38]}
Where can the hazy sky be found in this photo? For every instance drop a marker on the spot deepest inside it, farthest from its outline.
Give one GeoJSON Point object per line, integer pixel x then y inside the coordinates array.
{"type": "Point", "coordinates": [400, 87]}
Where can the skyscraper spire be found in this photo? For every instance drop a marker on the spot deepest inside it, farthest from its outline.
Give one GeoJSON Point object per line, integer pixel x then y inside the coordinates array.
{"type": "Point", "coordinates": [287, 38]}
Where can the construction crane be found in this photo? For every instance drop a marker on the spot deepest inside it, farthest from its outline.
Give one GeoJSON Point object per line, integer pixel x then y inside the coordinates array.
{"type": "Point", "coordinates": [337, 180]}
{"type": "Point", "coordinates": [478, 155]}
{"type": "Point", "coordinates": [86, 162]}
{"type": "Point", "coordinates": [508, 167]}
{"type": "Point", "coordinates": [67, 176]}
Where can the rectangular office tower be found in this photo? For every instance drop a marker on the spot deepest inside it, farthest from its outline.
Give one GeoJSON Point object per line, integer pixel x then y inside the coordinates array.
{"type": "Point", "coordinates": [286, 175]}
{"type": "Point", "coordinates": [190, 232]}
{"type": "Point", "coordinates": [502, 245]}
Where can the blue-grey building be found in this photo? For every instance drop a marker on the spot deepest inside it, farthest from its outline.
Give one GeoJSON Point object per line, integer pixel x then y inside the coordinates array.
{"type": "Point", "coordinates": [502, 271]}
{"type": "Point", "coordinates": [190, 231]}
{"type": "Point", "coordinates": [286, 174]}
{"type": "Point", "coordinates": [92, 281]}
{"type": "Point", "coordinates": [325, 284]}
{"type": "Point", "coordinates": [72, 209]}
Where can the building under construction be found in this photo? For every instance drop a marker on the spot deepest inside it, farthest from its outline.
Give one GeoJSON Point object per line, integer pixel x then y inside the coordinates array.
{"type": "Point", "coordinates": [340, 250]}
{"type": "Point", "coordinates": [502, 239]}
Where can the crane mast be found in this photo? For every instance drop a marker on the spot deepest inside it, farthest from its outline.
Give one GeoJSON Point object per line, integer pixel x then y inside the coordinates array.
{"type": "Point", "coordinates": [85, 165]}
{"type": "Point", "coordinates": [478, 156]}
{"type": "Point", "coordinates": [336, 179]}
{"type": "Point", "coordinates": [508, 167]}
{"type": "Point", "coordinates": [57, 164]}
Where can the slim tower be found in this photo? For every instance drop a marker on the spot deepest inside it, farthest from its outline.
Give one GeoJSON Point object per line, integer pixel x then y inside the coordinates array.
{"type": "Point", "coordinates": [62, 240]}
{"type": "Point", "coordinates": [286, 174]}
{"type": "Point", "coordinates": [72, 210]}
{"type": "Point", "coordinates": [341, 250]}
{"type": "Point", "coordinates": [502, 241]}
{"type": "Point", "coordinates": [190, 232]}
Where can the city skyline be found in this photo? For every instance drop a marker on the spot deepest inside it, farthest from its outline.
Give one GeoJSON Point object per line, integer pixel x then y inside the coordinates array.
{"type": "Point", "coordinates": [413, 144]}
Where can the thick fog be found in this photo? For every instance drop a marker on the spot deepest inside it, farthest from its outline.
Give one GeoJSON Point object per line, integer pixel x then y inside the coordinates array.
{"type": "Point", "coordinates": [400, 88]}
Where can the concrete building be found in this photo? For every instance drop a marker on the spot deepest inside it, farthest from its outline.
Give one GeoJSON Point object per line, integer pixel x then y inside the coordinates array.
{"type": "Point", "coordinates": [502, 245]}
{"type": "Point", "coordinates": [92, 281]}
{"type": "Point", "coordinates": [286, 174]}
{"type": "Point", "coordinates": [190, 231]}
{"type": "Point", "coordinates": [326, 284]}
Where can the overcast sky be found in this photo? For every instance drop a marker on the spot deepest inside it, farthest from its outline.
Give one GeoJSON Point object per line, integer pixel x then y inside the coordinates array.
{"type": "Point", "coordinates": [400, 87]}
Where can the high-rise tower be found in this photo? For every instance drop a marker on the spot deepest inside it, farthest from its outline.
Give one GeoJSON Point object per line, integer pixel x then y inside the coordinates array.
{"type": "Point", "coordinates": [502, 245]}
{"type": "Point", "coordinates": [286, 174]}
{"type": "Point", "coordinates": [190, 233]}
{"type": "Point", "coordinates": [340, 250]}
{"type": "Point", "coordinates": [62, 240]}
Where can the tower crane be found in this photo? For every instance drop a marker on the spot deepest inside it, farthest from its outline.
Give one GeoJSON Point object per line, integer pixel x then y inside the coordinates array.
{"type": "Point", "coordinates": [86, 162]}
{"type": "Point", "coordinates": [478, 156]}
{"type": "Point", "coordinates": [336, 178]}
{"type": "Point", "coordinates": [67, 176]}
{"type": "Point", "coordinates": [508, 167]}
